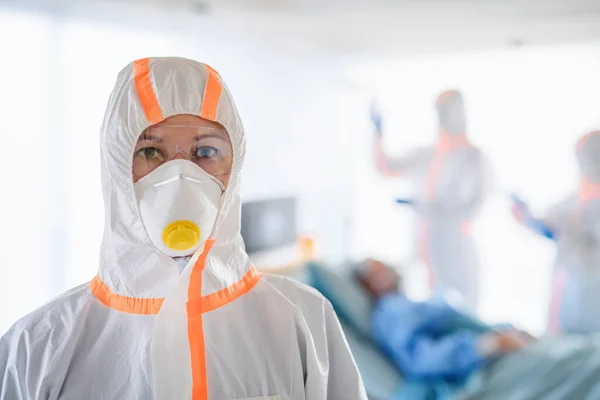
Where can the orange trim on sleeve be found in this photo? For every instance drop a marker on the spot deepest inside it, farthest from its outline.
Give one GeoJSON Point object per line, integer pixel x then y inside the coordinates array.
{"type": "Point", "coordinates": [145, 91]}
{"type": "Point", "coordinates": [212, 93]}
{"type": "Point", "coordinates": [131, 305]}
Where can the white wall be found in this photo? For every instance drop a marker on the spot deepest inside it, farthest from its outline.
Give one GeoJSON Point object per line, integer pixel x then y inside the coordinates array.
{"type": "Point", "coordinates": [54, 90]}
{"type": "Point", "coordinates": [24, 166]}
{"type": "Point", "coordinates": [526, 108]}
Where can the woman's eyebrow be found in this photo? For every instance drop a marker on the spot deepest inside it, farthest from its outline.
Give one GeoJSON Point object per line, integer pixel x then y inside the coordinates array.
{"type": "Point", "coordinates": [211, 135]}
{"type": "Point", "coordinates": [150, 138]}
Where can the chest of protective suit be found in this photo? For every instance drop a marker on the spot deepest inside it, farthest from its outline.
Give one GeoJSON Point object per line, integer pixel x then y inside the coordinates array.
{"type": "Point", "coordinates": [448, 180]}
{"type": "Point", "coordinates": [114, 349]}
{"type": "Point", "coordinates": [241, 364]}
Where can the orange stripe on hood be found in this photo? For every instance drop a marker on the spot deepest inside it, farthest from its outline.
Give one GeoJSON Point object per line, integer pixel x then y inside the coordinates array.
{"type": "Point", "coordinates": [212, 93]}
{"type": "Point", "coordinates": [145, 91]}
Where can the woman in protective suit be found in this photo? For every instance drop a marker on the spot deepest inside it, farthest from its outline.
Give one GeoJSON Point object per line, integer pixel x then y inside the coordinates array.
{"type": "Point", "coordinates": [574, 225]}
{"type": "Point", "coordinates": [451, 181]}
{"type": "Point", "coordinates": [177, 311]}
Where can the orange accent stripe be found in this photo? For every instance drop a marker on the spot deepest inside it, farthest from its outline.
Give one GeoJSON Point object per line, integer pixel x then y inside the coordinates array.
{"type": "Point", "coordinates": [588, 191]}
{"type": "Point", "coordinates": [425, 253]}
{"type": "Point", "coordinates": [446, 144]}
{"type": "Point", "coordinates": [145, 91]}
{"type": "Point", "coordinates": [218, 299]}
{"type": "Point", "coordinates": [211, 69]}
{"type": "Point", "coordinates": [445, 95]}
{"type": "Point", "coordinates": [197, 357]}
{"type": "Point", "coordinates": [196, 329]}
{"type": "Point", "coordinates": [197, 305]}
{"type": "Point", "coordinates": [434, 173]}
{"type": "Point", "coordinates": [212, 93]}
{"type": "Point", "coordinates": [466, 227]}
{"type": "Point", "coordinates": [195, 285]}
{"type": "Point", "coordinates": [559, 282]}
{"type": "Point", "coordinates": [131, 305]}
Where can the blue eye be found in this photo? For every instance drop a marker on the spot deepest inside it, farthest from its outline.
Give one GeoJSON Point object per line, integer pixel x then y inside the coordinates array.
{"type": "Point", "coordinates": [206, 152]}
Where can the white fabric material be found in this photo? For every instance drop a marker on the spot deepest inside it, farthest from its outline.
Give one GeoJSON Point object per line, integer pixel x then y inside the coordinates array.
{"type": "Point", "coordinates": [576, 223]}
{"type": "Point", "coordinates": [587, 156]}
{"type": "Point", "coordinates": [165, 195]}
{"type": "Point", "coordinates": [461, 189]}
{"type": "Point", "coordinates": [278, 339]}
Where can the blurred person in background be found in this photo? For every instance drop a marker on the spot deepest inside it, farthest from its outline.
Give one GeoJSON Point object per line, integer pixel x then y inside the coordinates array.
{"type": "Point", "coordinates": [177, 310]}
{"type": "Point", "coordinates": [451, 182]}
{"type": "Point", "coordinates": [574, 225]}
{"type": "Point", "coordinates": [444, 353]}
{"type": "Point", "coordinates": [431, 339]}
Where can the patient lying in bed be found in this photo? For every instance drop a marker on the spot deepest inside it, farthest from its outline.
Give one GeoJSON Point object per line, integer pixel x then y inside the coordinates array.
{"type": "Point", "coordinates": [422, 337]}
{"type": "Point", "coordinates": [445, 354]}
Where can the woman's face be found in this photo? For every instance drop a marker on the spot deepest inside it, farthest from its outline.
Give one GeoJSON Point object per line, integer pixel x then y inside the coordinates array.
{"type": "Point", "coordinates": [189, 137]}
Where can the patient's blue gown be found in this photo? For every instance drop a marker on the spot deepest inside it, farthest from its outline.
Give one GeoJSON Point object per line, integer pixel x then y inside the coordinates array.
{"type": "Point", "coordinates": [431, 342]}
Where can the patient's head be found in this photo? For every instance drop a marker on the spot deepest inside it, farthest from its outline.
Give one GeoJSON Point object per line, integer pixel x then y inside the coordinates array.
{"type": "Point", "coordinates": [378, 278]}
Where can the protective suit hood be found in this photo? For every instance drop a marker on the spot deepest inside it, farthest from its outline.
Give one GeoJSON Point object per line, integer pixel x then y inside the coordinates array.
{"type": "Point", "coordinates": [145, 329]}
{"type": "Point", "coordinates": [451, 114]}
{"type": "Point", "coordinates": [146, 92]}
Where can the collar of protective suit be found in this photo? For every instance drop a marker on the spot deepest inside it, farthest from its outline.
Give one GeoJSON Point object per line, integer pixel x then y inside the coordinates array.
{"type": "Point", "coordinates": [447, 142]}
{"type": "Point", "coordinates": [133, 275]}
{"type": "Point", "coordinates": [588, 190]}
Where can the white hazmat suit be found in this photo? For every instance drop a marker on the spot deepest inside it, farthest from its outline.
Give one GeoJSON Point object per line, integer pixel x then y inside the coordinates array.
{"type": "Point", "coordinates": [451, 182]}
{"type": "Point", "coordinates": [144, 328]}
{"type": "Point", "coordinates": [575, 226]}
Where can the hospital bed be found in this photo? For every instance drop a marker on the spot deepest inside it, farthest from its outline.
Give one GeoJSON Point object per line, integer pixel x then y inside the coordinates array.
{"type": "Point", "coordinates": [552, 369]}
{"type": "Point", "coordinates": [382, 379]}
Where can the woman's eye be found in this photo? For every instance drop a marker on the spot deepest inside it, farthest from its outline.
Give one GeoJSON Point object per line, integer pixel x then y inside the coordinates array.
{"type": "Point", "coordinates": [150, 153]}
{"type": "Point", "coordinates": [206, 152]}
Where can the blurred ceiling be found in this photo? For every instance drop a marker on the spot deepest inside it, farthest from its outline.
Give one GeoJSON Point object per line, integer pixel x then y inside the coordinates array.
{"type": "Point", "coordinates": [365, 28]}
{"type": "Point", "coordinates": [513, 7]}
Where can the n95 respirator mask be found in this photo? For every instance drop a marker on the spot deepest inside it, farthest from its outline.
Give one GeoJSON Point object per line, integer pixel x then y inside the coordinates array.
{"type": "Point", "coordinates": [178, 203]}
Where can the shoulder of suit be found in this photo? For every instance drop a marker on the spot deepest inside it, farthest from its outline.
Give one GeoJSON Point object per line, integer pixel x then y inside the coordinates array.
{"type": "Point", "coordinates": [52, 315]}
{"type": "Point", "coordinates": [298, 292]}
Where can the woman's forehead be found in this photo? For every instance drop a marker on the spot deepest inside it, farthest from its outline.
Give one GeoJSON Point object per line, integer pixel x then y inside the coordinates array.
{"type": "Point", "coordinates": [180, 126]}
{"type": "Point", "coordinates": [187, 119]}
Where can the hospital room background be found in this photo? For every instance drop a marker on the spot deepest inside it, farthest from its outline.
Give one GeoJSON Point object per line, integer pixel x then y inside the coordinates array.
{"type": "Point", "coordinates": [305, 75]}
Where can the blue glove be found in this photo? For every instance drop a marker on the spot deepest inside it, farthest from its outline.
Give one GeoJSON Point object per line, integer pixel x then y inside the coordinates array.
{"type": "Point", "coordinates": [517, 201]}
{"type": "Point", "coordinates": [376, 120]}
{"type": "Point", "coordinates": [530, 221]}
{"type": "Point", "coordinates": [404, 201]}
